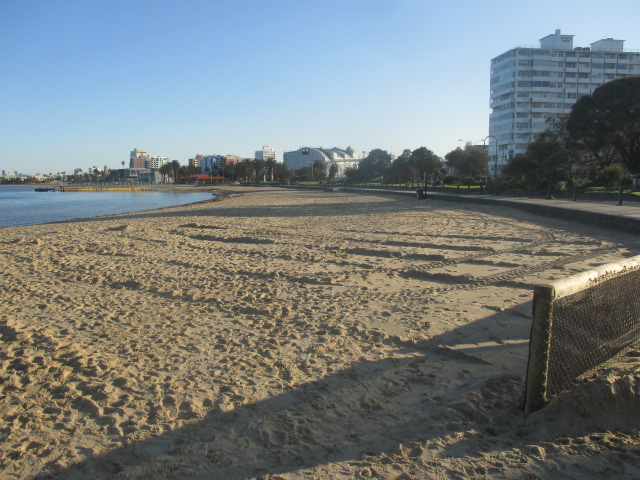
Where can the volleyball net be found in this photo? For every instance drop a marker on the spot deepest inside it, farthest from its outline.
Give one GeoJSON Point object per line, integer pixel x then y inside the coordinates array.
{"type": "Point", "coordinates": [579, 323]}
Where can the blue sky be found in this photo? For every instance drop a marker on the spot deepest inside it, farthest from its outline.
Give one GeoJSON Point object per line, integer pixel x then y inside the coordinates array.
{"type": "Point", "coordinates": [82, 83]}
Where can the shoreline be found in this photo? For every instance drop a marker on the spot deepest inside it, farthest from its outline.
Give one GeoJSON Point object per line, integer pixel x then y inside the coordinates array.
{"type": "Point", "coordinates": [298, 334]}
{"type": "Point", "coordinates": [181, 189]}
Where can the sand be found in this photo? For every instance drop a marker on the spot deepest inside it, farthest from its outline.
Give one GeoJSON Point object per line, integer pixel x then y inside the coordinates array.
{"type": "Point", "coordinates": [292, 334]}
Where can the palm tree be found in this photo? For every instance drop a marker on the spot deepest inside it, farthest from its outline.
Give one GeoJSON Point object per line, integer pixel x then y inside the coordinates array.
{"type": "Point", "coordinates": [270, 164]}
{"type": "Point", "coordinates": [258, 165]}
{"type": "Point", "coordinates": [175, 166]}
{"type": "Point", "coordinates": [165, 170]}
{"type": "Point", "coordinates": [244, 169]}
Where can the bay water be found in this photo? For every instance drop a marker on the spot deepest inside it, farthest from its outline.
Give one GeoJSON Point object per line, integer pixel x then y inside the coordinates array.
{"type": "Point", "coordinates": [22, 205]}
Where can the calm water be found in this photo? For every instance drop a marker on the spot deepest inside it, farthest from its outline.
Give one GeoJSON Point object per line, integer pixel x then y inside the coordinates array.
{"type": "Point", "coordinates": [22, 205]}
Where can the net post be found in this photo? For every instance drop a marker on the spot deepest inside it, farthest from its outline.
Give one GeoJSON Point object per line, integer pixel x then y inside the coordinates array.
{"type": "Point", "coordinates": [539, 343]}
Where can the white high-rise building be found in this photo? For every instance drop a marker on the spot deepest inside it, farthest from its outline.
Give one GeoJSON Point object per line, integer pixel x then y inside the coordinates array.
{"type": "Point", "coordinates": [266, 153]}
{"type": "Point", "coordinates": [157, 161]}
{"type": "Point", "coordinates": [530, 85]}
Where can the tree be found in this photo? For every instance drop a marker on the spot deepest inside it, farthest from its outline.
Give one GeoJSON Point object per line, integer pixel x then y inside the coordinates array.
{"type": "Point", "coordinates": [353, 174]}
{"type": "Point", "coordinates": [319, 170]}
{"type": "Point", "coordinates": [175, 166]}
{"type": "Point", "coordinates": [471, 162]}
{"type": "Point", "coordinates": [333, 172]}
{"type": "Point", "coordinates": [524, 170]}
{"type": "Point", "coordinates": [258, 165]}
{"type": "Point", "coordinates": [424, 162]}
{"type": "Point", "coordinates": [400, 170]}
{"type": "Point", "coordinates": [305, 174]}
{"type": "Point", "coordinates": [270, 164]}
{"type": "Point", "coordinates": [611, 176]}
{"type": "Point", "coordinates": [374, 164]}
{"type": "Point", "coordinates": [607, 123]}
{"type": "Point", "coordinates": [165, 171]}
{"type": "Point", "coordinates": [552, 158]}
{"type": "Point", "coordinates": [282, 172]}
{"type": "Point", "coordinates": [244, 170]}
{"type": "Point", "coordinates": [186, 173]}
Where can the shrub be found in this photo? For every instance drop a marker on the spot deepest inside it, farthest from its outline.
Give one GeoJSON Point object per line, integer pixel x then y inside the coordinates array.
{"type": "Point", "coordinates": [611, 176]}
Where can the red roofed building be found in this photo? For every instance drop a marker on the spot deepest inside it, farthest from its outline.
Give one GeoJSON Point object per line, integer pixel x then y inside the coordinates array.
{"type": "Point", "coordinates": [202, 178]}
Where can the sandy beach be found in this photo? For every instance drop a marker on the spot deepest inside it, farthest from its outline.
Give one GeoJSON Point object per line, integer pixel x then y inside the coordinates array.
{"type": "Point", "coordinates": [291, 334]}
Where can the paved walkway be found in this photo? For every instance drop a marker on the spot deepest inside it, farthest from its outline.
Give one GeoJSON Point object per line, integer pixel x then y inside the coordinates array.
{"type": "Point", "coordinates": [604, 213]}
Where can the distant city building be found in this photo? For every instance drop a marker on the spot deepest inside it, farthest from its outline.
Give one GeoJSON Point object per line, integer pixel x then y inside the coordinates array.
{"type": "Point", "coordinates": [265, 154]}
{"type": "Point", "coordinates": [307, 156]}
{"type": "Point", "coordinates": [530, 85]}
{"type": "Point", "coordinates": [231, 159]}
{"type": "Point", "coordinates": [138, 162]}
{"type": "Point", "coordinates": [211, 162]}
{"type": "Point", "coordinates": [157, 161]}
{"type": "Point", "coordinates": [139, 158]}
{"type": "Point", "coordinates": [138, 152]}
{"type": "Point", "coordinates": [142, 175]}
{"type": "Point", "coordinates": [196, 161]}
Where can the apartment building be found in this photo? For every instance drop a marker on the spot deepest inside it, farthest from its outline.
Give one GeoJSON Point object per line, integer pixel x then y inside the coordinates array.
{"type": "Point", "coordinates": [265, 154]}
{"type": "Point", "coordinates": [532, 84]}
{"type": "Point", "coordinates": [208, 163]}
{"type": "Point", "coordinates": [196, 161]}
{"type": "Point", "coordinates": [157, 161]}
{"type": "Point", "coordinates": [139, 158]}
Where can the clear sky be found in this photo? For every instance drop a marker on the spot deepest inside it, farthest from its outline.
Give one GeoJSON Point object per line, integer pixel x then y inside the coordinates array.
{"type": "Point", "coordinates": [84, 82]}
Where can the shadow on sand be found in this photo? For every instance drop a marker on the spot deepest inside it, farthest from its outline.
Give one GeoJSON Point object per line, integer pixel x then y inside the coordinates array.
{"type": "Point", "coordinates": [426, 391]}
